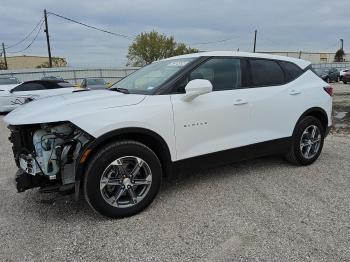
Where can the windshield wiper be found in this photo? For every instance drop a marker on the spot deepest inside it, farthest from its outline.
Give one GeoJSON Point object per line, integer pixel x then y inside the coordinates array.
{"type": "Point", "coordinates": [121, 90]}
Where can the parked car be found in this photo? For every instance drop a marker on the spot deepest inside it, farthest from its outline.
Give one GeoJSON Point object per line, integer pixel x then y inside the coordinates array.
{"type": "Point", "coordinates": [342, 73]}
{"type": "Point", "coordinates": [94, 83]}
{"type": "Point", "coordinates": [346, 77]}
{"type": "Point", "coordinates": [9, 80]}
{"type": "Point", "coordinates": [13, 96]}
{"type": "Point", "coordinates": [191, 111]}
{"type": "Point", "coordinates": [52, 78]}
{"type": "Point", "coordinates": [330, 75]}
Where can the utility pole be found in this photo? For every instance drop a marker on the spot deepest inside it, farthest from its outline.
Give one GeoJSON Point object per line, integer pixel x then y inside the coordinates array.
{"type": "Point", "coordinates": [4, 52]}
{"type": "Point", "coordinates": [47, 38]}
{"type": "Point", "coordinates": [255, 32]}
{"type": "Point", "coordinates": [342, 44]}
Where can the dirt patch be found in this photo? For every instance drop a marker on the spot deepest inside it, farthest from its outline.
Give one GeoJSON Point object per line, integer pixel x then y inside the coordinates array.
{"type": "Point", "coordinates": [341, 118]}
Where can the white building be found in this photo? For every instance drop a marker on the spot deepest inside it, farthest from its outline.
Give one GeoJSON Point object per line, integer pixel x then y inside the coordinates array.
{"type": "Point", "coordinates": [313, 57]}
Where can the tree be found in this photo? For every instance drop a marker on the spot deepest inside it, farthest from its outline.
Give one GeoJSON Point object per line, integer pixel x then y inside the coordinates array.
{"type": "Point", "coordinates": [56, 62]}
{"type": "Point", "coordinates": [151, 46]}
{"type": "Point", "coordinates": [339, 56]}
{"type": "Point", "coordinates": [2, 65]}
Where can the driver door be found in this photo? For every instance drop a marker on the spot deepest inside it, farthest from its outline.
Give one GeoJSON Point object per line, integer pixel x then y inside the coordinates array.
{"type": "Point", "coordinates": [214, 121]}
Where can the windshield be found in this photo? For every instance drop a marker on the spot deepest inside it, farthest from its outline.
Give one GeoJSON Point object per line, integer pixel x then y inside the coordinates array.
{"type": "Point", "coordinates": [9, 81]}
{"type": "Point", "coordinates": [151, 76]}
{"type": "Point", "coordinates": [95, 81]}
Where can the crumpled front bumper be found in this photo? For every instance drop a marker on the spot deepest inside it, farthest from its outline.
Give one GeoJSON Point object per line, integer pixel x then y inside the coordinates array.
{"type": "Point", "coordinates": [26, 181]}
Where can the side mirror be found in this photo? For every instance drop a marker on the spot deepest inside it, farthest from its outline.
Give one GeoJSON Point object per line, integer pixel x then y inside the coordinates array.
{"type": "Point", "coordinates": [196, 88]}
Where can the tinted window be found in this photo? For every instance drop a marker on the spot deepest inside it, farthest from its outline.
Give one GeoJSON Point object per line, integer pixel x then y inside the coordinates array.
{"type": "Point", "coordinates": [28, 87]}
{"type": "Point", "coordinates": [55, 85]}
{"type": "Point", "coordinates": [223, 73]}
{"type": "Point", "coordinates": [266, 72]}
{"type": "Point", "coordinates": [292, 71]}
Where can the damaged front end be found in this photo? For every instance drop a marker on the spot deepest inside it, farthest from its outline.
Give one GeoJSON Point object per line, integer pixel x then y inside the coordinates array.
{"type": "Point", "coordinates": [47, 155]}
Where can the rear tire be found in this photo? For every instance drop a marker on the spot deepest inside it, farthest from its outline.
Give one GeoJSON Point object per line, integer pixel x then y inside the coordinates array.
{"type": "Point", "coordinates": [122, 179]}
{"type": "Point", "coordinates": [307, 141]}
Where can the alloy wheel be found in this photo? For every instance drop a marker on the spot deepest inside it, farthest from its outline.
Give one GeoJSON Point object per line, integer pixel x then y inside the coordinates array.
{"type": "Point", "coordinates": [126, 181]}
{"type": "Point", "coordinates": [310, 141]}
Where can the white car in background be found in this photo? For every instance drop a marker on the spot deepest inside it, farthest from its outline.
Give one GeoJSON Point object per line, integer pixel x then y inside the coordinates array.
{"type": "Point", "coordinates": [13, 95]}
{"type": "Point", "coordinates": [342, 73]}
{"type": "Point", "coordinates": [9, 80]}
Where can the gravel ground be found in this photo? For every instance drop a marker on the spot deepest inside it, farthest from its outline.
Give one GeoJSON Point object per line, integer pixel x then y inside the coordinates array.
{"type": "Point", "coordinates": [341, 108]}
{"type": "Point", "coordinates": [260, 210]}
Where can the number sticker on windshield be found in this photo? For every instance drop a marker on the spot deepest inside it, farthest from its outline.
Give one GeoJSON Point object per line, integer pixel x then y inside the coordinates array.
{"type": "Point", "coordinates": [178, 63]}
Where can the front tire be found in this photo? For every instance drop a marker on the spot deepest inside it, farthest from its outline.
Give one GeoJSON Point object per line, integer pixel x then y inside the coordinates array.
{"type": "Point", "coordinates": [307, 141]}
{"type": "Point", "coordinates": [122, 179]}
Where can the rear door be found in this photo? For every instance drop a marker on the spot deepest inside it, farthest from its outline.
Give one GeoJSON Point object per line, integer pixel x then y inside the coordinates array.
{"type": "Point", "coordinates": [275, 104]}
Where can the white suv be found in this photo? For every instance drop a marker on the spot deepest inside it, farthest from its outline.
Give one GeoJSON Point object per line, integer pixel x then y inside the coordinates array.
{"type": "Point", "coordinates": [195, 110]}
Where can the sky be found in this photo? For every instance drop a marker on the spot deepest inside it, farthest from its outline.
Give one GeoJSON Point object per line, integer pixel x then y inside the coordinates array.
{"type": "Point", "coordinates": [306, 25]}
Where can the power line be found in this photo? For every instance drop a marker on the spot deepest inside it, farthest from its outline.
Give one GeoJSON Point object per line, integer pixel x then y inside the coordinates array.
{"type": "Point", "coordinates": [213, 42]}
{"type": "Point", "coordinates": [92, 27]}
{"type": "Point", "coordinates": [36, 36]}
{"type": "Point", "coordinates": [27, 36]}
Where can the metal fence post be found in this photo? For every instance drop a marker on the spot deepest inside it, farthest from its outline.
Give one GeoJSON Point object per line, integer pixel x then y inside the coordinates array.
{"type": "Point", "coordinates": [75, 77]}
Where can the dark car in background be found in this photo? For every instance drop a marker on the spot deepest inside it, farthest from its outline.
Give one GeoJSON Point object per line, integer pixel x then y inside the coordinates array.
{"type": "Point", "coordinates": [94, 83]}
{"type": "Point", "coordinates": [346, 77]}
{"type": "Point", "coordinates": [330, 75]}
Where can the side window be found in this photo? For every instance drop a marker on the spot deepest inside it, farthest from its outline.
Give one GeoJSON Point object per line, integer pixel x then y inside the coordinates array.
{"type": "Point", "coordinates": [291, 70]}
{"type": "Point", "coordinates": [28, 87]}
{"type": "Point", "coordinates": [266, 72]}
{"type": "Point", "coordinates": [223, 73]}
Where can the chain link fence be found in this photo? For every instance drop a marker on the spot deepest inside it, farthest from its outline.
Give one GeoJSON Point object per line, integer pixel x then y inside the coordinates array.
{"type": "Point", "coordinates": [73, 75]}
{"type": "Point", "coordinates": [322, 66]}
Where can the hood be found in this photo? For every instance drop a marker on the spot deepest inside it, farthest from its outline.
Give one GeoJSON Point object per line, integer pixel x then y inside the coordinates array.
{"type": "Point", "coordinates": [69, 106]}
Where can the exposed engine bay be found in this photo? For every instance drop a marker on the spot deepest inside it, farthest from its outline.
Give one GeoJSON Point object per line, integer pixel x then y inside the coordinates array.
{"type": "Point", "coordinates": [46, 155]}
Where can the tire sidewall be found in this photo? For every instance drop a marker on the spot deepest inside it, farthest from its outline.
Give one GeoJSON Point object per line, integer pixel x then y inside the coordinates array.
{"type": "Point", "coordinates": [100, 162]}
{"type": "Point", "coordinates": [300, 128]}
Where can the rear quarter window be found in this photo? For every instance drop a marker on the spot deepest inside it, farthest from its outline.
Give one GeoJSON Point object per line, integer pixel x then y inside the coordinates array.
{"type": "Point", "coordinates": [266, 72]}
{"type": "Point", "coordinates": [292, 71]}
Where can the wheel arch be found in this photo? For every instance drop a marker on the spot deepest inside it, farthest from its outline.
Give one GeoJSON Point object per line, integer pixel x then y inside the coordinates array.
{"type": "Point", "coordinates": [148, 137]}
{"type": "Point", "coordinates": [318, 113]}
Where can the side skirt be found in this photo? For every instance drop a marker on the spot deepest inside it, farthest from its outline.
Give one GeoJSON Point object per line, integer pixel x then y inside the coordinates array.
{"type": "Point", "coordinates": [272, 147]}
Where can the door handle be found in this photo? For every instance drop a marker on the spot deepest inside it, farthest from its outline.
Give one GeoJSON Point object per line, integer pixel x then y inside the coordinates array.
{"type": "Point", "coordinates": [294, 92]}
{"type": "Point", "coordinates": [240, 101]}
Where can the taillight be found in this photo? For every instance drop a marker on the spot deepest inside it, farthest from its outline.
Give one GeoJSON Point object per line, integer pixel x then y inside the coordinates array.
{"type": "Point", "coordinates": [329, 90]}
